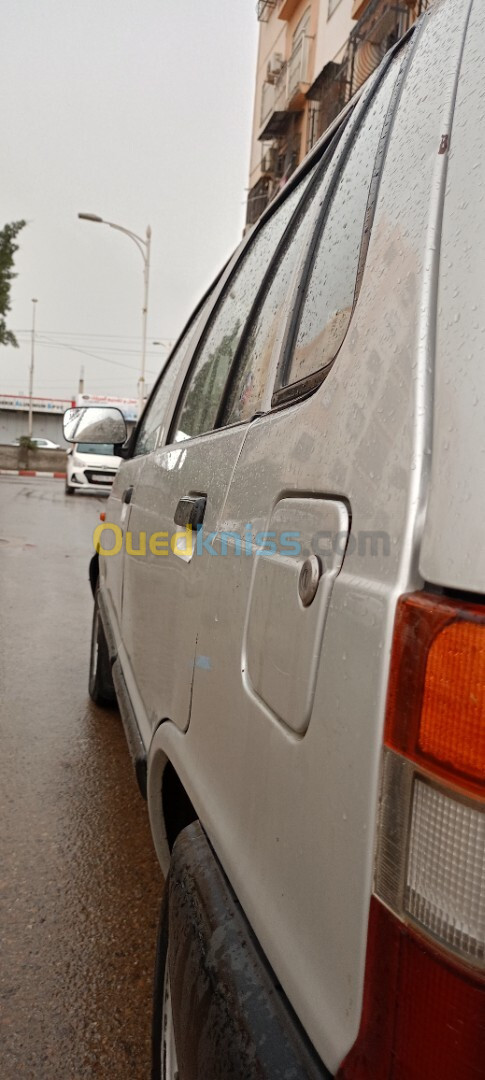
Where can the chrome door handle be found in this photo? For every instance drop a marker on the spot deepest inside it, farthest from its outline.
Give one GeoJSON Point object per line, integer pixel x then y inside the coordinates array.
{"type": "Point", "coordinates": [190, 511]}
{"type": "Point", "coordinates": [127, 494]}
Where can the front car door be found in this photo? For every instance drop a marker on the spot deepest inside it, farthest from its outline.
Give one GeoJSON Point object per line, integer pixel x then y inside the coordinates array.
{"type": "Point", "coordinates": [118, 511]}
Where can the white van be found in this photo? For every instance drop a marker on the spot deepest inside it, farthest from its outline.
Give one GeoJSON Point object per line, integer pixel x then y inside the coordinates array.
{"type": "Point", "coordinates": [290, 607]}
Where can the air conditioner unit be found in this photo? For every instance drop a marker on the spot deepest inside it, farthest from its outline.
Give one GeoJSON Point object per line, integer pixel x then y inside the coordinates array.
{"type": "Point", "coordinates": [275, 64]}
{"type": "Point", "coordinates": [269, 161]}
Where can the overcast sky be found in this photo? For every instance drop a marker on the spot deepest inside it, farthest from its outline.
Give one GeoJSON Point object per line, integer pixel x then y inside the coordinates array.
{"type": "Point", "coordinates": [139, 111]}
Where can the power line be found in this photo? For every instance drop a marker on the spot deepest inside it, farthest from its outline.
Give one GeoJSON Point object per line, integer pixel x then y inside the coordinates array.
{"type": "Point", "coordinates": [43, 339]}
{"type": "Point", "coordinates": [83, 333]}
{"type": "Point", "coordinates": [95, 356]}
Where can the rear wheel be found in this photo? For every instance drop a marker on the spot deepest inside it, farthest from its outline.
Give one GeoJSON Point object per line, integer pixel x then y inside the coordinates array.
{"type": "Point", "coordinates": [101, 688]}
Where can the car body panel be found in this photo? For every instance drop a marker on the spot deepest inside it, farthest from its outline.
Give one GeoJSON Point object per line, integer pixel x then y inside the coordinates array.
{"type": "Point", "coordinates": [117, 515]}
{"type": "Point", "coordinates": [453, 552]}
{"type": "Point", "coordinates": [293, 818]}
{"type": "Point", "coordinates": [282, 636]}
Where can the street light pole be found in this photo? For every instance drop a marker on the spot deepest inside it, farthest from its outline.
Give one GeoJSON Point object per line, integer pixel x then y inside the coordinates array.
{"type": "Point", "coordinates": [144, 247]}
{"type": "Point", "coordinates": [31, 371]}
{"type": "Point", "coordinates": [146, 277]}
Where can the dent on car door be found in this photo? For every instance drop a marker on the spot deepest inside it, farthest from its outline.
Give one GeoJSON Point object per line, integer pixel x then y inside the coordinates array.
{"type": "Point", "coordinates": [165, 575]}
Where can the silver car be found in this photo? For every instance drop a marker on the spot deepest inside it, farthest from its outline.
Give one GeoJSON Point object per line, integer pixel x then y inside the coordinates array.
{"type": "Point", "coordinates": [290, 607]}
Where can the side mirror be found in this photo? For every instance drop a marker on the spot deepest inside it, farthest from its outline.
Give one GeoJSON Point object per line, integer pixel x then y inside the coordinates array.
{"type": "Point", "coordinates": [94, 424]}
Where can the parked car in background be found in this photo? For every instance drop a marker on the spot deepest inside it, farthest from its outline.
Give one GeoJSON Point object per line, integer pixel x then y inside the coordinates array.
{"type": "Point", "coordinates": [43, 444]}
{"type": "Point", "coordinates": [289, 607]}
{"type": "Point", "coordinates": [91, 467]}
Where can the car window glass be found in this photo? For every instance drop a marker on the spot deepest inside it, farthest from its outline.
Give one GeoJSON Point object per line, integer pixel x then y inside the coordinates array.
{"type": "Point", "coordinates": [95, 448]}
{"type": "Point", "coordinates": [153, 418]}
{"type": "Point", "coordinates": [328, 303]}
{"type": "Point", "coordinates": [247, 391]}
{"type": "Point", "coordinates": [201, 397]}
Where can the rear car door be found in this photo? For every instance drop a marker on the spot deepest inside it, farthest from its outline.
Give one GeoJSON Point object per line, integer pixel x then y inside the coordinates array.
{"type": "Point", "coordinates": [164, 576]}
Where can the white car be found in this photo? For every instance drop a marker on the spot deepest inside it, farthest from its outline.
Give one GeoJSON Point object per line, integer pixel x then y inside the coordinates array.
{"type": "Point", "coordinates": [90, 467]}
{"type": "Point", "coordinates": [42, 444]}
{"type": "Point", "coordinates": [290, 607]}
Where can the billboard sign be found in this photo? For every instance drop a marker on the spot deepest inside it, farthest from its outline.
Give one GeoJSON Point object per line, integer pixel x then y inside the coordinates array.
{"type": "Point", "coordinates": [20, 403]}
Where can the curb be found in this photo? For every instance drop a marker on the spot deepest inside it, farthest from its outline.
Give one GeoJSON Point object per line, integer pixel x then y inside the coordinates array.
{"type": "Point", "coordinates": [31, 472]}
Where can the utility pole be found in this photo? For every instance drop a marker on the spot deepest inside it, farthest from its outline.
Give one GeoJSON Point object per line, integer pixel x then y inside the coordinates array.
{"type": "Point", "coordinates": [81, 380]}
{"type": "Point", "coordinates": [31, 372]}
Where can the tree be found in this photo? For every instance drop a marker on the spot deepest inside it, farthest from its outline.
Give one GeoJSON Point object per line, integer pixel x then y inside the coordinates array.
{"type": "Point", "coordinates": [8, 247]}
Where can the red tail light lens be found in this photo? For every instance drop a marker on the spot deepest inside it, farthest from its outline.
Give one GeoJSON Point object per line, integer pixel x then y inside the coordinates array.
{"type": "Point", "coordinates": [424, 992]}
{"type": "Point", "coordinates": [423, 1016]}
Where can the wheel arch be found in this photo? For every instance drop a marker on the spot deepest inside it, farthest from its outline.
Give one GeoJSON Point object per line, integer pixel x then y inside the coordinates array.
{"type": "Point", "coordinates": [169, 805]}
{"type": "Point", "coordinates": [94, 572]}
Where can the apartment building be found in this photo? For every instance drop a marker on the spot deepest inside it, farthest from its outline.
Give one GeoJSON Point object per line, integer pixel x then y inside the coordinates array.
{"type": "Point", "coordinates": [313, 55]}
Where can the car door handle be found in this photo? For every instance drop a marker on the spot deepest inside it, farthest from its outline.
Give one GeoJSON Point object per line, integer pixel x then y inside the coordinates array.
{"type": "Point", "coordinates": [127, 495]}
{"type": "Point", "coordinates": [190, 511]}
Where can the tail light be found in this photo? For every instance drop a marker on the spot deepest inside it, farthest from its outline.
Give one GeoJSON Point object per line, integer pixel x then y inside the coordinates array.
{"type": "Point", "coordinates": [424, 993]}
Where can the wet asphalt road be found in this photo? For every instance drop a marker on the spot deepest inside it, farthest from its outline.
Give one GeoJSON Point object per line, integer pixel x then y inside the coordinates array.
{"type": "Point", "coordinates": [79, 883]}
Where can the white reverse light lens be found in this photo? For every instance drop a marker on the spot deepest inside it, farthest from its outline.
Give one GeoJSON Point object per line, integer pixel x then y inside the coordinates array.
{"type": "Point", "coordinates": [445, 876]}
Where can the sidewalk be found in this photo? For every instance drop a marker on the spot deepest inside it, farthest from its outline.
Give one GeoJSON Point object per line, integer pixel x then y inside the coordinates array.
{"type": "Point", "coordinates": [31, 472]}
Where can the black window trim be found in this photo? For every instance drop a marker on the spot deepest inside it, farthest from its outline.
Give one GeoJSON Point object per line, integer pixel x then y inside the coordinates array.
{"type": "Point", "coordinates": [320, 157]}
{"type": "Point", "coordinates": [286, 393]}
{"type": "Point", "coordinates": [326, 154]}
{"type": "Point", "coordinates": [317, 155]}
{"type": "Point", "coordinates": [306, 166]}
{"type": "Point", "coordinates": [220, 300]}
{"type": "Point", "coordinates": [327, 146]}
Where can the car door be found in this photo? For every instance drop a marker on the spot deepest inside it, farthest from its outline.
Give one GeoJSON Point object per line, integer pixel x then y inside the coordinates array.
{"type": "Point", "coordinates": [129, 472]}
{"type": "Point", "coordinates": [164, 575]}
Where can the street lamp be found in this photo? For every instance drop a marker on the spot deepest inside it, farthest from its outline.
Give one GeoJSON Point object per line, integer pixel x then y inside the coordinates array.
{"type": "Point", "coordinates": [31, 371]}
{"type": "Point", "coordinates": [144, 248]}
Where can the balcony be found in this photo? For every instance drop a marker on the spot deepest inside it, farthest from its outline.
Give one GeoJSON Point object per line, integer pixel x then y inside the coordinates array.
{"type": "Point", "coordinates": [285, 93]}
{"type": "Point", "coordinates": [380, 25]}
{"type": "Point", "coordinates": [298, 70]}
{"type": "Point", "coordinates": [287, 8]}
{"type": "Point", "coordinates": [264, 9]}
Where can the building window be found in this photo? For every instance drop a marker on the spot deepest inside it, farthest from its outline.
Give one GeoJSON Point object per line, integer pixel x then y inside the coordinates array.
{"type": "Point", "coordinates": [332, 6]}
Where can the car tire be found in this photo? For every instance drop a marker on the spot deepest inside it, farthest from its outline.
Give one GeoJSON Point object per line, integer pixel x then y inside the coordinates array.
{"type": "Point", "coordinates": [164, 1056]}
{"type": "Point", "coordinates": [69, 490]}
{"type": "Point", "coordinates": [101, 687]}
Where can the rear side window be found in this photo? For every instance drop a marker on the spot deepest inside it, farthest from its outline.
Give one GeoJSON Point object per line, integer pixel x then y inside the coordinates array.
{"type": "Point", "coordinates": [203, 392]}
{"type": "Point", "coordinates": [329, 297]}
{"type": "Point", "coordinates": [249, 381]}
